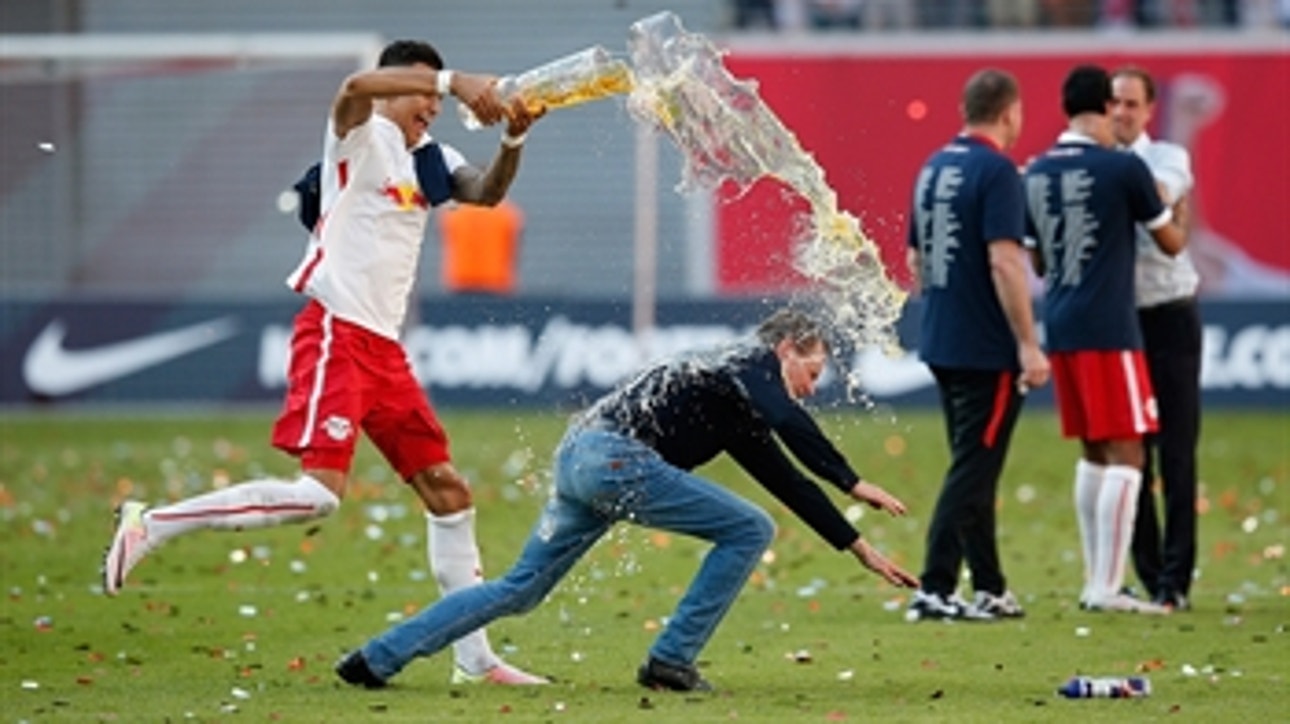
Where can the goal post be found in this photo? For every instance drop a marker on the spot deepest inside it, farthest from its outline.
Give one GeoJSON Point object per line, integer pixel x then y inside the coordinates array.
{"type": "Point", "coordinates": [364, 48]}
{"type": "Point", "coordinates": [150, 164]}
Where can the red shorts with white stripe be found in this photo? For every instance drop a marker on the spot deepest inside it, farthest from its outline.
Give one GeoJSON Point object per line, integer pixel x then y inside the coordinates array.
{"type": "Point", "coordinates": [1103, 394]}
{"type": "Point", "coordinates": [343, 378]}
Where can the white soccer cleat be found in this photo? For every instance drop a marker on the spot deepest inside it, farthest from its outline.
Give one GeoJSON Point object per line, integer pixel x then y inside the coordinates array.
{"type": "Point", "coordinates": [129, 545]}
{"type": "Point", "coordinates": [502, 674]}
{"type": "Point", "coordinates": [1124, 603]}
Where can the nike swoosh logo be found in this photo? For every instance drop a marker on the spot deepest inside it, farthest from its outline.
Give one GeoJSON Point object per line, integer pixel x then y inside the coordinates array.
{"type": "Point", "coordinates": [51, 369]}
{"type": "Point", "coordinates": [887, 376]}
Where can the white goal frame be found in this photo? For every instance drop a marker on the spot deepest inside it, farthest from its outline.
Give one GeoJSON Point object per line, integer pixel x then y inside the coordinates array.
{"type": "Point", "coordinates": [364, 48]}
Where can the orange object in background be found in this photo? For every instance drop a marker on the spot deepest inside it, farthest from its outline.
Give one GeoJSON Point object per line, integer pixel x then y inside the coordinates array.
{"type": "Point", "coordinates": [481, 247]}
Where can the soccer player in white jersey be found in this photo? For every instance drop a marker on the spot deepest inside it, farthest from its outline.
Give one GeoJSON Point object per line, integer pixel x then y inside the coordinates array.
{"type": "Point", "coordinates": [1171, 334]}
{"type": "Point", "coordinates": [348, 371]}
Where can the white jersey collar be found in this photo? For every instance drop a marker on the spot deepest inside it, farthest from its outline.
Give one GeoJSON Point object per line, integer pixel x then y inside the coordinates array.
{"type": "Point", "coordinates": [1076, 137]}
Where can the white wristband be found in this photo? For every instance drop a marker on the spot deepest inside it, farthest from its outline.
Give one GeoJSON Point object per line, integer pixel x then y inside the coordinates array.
{"type": "Point", "coordinates": [513, 141]}
{"type": "Point", "coordinates": [443, 82]}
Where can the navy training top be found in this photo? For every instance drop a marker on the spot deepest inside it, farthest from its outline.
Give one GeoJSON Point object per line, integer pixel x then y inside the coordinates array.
{"type": "Point", "coordinates": [968, 195]}
{"type": "Point", "coordinates": [1084, 202]}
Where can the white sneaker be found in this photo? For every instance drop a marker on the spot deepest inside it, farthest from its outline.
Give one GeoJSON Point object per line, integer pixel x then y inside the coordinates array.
{"type": "Point", "coordinates": [129, 545]}
{"type": "Point", "coordinates": [934, 607]}
{"type": "Point", "coordinates": [503, 674]}
{"type": "Point", "coordinates": [1004, 605]}
{"type": "Point", "coordinates": [1124, 603]}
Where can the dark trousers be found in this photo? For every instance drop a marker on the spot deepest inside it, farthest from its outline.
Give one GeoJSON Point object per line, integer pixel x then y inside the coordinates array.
{"type": "Point", "coordinates": [1172, 337]}
{"type": "Point", "coordinates": [981, 408]}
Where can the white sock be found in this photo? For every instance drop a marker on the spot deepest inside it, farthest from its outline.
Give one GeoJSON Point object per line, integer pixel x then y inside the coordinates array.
{"type": "Point", "coordinates": [1117, 504]}
{"type": "Point", "coordinates": [454, 560]}
{"type": "Point", "coordinates": [1088, 485]}
{"type": "Point", "coordinates": [253, 504]}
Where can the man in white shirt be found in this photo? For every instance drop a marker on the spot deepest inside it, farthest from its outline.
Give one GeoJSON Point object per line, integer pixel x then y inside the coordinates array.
{"type": "Point", "coordinates": [348, 370]}
{"type": "Point", "coordinates": [1167, 312]}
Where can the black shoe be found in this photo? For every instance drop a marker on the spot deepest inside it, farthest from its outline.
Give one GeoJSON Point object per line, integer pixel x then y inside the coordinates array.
{"type": "Point", "coordinates": [354, 670]}
{"type": "Point", "coordinates": [655, 674]}
{"type": "Point", "coordinates": [1172, 600]}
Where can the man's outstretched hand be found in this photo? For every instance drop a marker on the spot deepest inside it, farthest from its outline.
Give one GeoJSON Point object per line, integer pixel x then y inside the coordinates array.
{"type": "Point", "coordinates": [877, 498]}
{"type": "Point", "coordinates": [875, 561]}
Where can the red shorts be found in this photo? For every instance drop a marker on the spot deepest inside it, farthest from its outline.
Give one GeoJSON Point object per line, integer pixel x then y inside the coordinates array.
{"type": "Point", "coordinates": [342, 378]}
{"type": "Point", "coordinates": [1103, 394]}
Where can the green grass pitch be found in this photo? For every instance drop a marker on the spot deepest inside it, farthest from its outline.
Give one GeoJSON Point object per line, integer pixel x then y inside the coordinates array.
{"type": "Point", "coordinates": [245, 626]}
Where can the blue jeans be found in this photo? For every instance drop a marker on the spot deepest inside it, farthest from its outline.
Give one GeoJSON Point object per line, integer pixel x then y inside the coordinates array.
{"type": "Point", "coordinates": [602, 478]}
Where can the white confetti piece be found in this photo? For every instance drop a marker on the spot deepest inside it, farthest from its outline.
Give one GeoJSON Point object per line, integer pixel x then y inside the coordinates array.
{"type": "Point", "coordinates": [46, 146]}
{"type": "Point", "coordinates": [246, 610]}
{"type": "Point", "coordinates": [30, 685]}
{"type": "Point", "coordinates": [1083, 632]}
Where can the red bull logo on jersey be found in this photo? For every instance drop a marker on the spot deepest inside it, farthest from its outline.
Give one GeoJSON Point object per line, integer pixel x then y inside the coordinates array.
{"type": "Point", "coordinates": [405, 195]}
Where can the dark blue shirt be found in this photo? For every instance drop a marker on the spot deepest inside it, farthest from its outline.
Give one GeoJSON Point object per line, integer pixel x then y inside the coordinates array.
{"type": "Point", "coordinates": [967, 195]}
{"type": "Point", "coordinates": [733, 400]}
{"type": "Point", "coordinates": [1084, 202]}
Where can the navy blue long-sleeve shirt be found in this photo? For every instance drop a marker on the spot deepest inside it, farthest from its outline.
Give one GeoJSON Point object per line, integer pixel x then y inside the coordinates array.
{"type": "Point", "coordinates": [734, 400]}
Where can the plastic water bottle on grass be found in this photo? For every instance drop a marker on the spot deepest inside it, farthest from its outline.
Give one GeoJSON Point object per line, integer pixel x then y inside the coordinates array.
{"type": "Point", "coordinates": [1106, 687]}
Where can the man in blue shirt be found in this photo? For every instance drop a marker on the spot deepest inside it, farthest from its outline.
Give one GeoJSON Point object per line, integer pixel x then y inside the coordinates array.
{"type": "Point", "coordinates": [978, 336]}
{"type": "Point", "coordinates": [629, 458]}
{"type": "Point", "coordinates": [1085, 201]}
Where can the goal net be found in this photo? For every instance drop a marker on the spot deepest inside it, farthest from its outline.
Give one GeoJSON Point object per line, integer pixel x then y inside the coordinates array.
{"type": "Point", "coordinates": [145, 164]}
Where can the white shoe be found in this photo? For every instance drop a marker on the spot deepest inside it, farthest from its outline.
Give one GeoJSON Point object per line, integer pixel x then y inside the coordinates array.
{"type": "Point", "coordinates": [1125, 603]}
{"type": "Point", "coordinates": [934, 607]}
{"type": "Point", "coordinates": [129, 545]}
{"type": "Point", "coordinates": [1004, 605]}
{"type": "Point", "coordinates": [503, 674]}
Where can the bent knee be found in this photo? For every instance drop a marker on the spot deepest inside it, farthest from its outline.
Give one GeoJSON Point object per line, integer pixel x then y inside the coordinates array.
{"type": "Point", "coordinates": [761, 528]}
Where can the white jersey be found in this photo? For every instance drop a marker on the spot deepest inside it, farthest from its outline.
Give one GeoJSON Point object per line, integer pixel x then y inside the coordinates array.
{"type": "Point", "coordinates": [1162, 278]}
{"type": "Point", "coordinates": [362, 256]}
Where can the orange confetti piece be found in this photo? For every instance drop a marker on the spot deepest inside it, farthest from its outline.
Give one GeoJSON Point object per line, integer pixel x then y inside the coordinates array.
{"type": "Point", "coordinates": [85, 680]}
{"type": "Point", "coordinates": [1223, 549]}
{"type": "Point", "coordinates": [296, 664]}
{"type": "Point", "coordinates": [1229, 499]}
{"type": "Point", "coordinates": [651, 624]}
{"type": "Point", "coordinates": [894, 445]}
{"type": "Point", "coordinates": [660, 539]}
{"type": "Point", "coordinates": [1151, 665]}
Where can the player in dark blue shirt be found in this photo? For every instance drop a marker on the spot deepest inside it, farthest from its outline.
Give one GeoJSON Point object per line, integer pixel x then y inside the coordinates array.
{"type": "Point", "coordinates": [978, 337]}
{"type": "Point", "coordinates": [1084, 201]}
{"type": "Point", "coordinates": [629, 457]}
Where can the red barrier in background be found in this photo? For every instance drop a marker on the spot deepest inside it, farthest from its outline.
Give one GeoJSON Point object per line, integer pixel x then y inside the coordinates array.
{"type": "Point", "coordinates": [871, 120]}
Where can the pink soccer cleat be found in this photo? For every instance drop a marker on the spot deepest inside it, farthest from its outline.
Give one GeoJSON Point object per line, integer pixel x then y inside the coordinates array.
{"type": "Point", "coordinates": [502, 674]}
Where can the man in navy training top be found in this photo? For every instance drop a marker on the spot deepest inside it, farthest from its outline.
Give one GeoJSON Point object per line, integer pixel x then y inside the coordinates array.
{"type": "Point", "coordinates": [1085, 200]}
{"type": "Point", "coordinates": [978, 337]}
{"type": "Point", "coordinates": [629, 457]}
